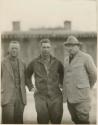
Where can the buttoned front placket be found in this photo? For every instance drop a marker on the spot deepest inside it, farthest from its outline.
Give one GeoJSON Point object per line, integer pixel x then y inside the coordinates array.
{"type": "Point", "coordinates": [68, 70]}
{"type": "Point", "coordinates": [47, 74]}
{"type": "Point", "coordinates": [47, 69]}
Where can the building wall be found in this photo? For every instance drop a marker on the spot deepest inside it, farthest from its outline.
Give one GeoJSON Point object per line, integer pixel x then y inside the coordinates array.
{"type": "Point", "coordinates": [30, 47]}
{"type": "Point", "coordinates": [90, 46]}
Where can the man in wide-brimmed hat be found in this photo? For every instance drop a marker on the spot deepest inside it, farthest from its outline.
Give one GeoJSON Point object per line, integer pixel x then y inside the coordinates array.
{"type": "Point", "coordinates": [79, 78]}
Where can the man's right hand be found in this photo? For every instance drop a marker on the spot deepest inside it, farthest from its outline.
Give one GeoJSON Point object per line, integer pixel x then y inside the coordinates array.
{"type": "Point", "coordinates": [33, 90]}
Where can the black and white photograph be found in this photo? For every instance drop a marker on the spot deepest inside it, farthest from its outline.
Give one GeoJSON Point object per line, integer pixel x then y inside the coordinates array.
{"type": "Point", "coordinates": [48, 51]}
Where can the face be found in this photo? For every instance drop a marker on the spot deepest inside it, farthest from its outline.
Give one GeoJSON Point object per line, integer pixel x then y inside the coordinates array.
{"type": "Point", "coordinates": [45, 49]}
{"type": "Point", "coordinates": [14, 49]}
{"type": "Point", "coordinates": [72, 49]}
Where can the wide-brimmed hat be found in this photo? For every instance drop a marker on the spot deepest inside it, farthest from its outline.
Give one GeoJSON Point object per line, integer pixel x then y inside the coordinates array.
{"type": "Point", "coordinates": [72, 40]}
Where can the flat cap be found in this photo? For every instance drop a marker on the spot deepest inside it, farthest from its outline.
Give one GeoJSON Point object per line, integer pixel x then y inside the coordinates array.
{"type": "Point", "coordinates": [72, 40]}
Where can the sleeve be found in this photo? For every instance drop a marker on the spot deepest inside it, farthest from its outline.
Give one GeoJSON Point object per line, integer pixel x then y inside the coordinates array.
{"type": "Point", "coordinates": [61, 73]}
{"type": "Point", "coordinates": [28, 74]}
{"type": "Point", "coordinates": [2, 65]}
{"type": "Point", "coordinates": [1, 70]}
{"type": "Point", "coordinates": [91, 70]}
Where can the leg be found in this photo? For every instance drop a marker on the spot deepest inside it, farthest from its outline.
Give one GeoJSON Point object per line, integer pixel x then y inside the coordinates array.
{"type": "Point", "coordinates": [8, 114]}
{"type": "Point", "coordinates": [72, 111]}
{"type": "Point", "coordinates": [19, 109]}
{"type": "Point", "coordinates": [82, 110]}
{"type": "Point", "coordinates": [18, 115]}
{"type": "Point", "coordinates": [55, 108]}
{"type": "Point", "coordinates": [42, 110]}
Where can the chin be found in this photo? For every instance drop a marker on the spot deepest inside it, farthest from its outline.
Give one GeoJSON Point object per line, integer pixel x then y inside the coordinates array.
{"type": "Point", "coordinates": [14, 56]}
{"type": "Point", "coordinates": [46, 54]}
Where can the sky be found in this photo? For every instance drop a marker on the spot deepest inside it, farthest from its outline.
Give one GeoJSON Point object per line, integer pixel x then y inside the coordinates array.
{"type": "Point", "coordinates": [48, 13]}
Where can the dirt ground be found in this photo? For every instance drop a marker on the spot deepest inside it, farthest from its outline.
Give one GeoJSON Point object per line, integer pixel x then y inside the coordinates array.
{"type": "Point", "coordinates": [30, 116]}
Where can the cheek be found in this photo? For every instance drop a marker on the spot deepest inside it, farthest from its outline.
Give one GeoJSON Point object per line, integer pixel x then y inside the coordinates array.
{"type": "Point", "coordinates": [67, 49]}
{"type": "Point", "coordinates": [49, 49]}
{"type": "Point", "coordinates": [74, 50]}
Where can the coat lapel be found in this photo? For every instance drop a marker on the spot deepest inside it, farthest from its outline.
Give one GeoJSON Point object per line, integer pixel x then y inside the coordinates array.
{"type": "Point", "coordinates": [9, 67]}
{"type": "Point", "coordinates": [20, 68]}
{"type": "Point", "coordinates": [75, 59]}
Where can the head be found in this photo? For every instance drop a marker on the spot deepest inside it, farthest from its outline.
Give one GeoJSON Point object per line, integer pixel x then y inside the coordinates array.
{"type": "Point", "coordinates": [45, 47]}
{"type": "Point", "coordinates": [72, 49]}
{"type": "Point", "coordinates": [14, 48]}
{"type": "Point", "coordinates": [72, 45]}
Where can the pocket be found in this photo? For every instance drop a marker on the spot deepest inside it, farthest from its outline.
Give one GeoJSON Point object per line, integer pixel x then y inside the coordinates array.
{"type": "Point", "coordinates": [83, 86]}
{"type": "Point", "coordinates": [83, 93]}
{"type": "Point", "coordinates": [77, 66]}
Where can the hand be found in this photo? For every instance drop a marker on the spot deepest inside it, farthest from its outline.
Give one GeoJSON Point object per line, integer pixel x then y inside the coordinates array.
{"type": "Point", "coordinates": [34, 90]}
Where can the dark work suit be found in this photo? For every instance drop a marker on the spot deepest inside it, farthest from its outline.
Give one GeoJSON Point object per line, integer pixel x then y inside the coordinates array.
{"type": "Point", "coordinates": [48, 97]}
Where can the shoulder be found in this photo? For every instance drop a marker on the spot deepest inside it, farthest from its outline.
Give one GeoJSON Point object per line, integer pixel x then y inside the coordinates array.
{"type": "Point", "coordinates": [85, 56]}
{"type": "Point", "coordinates": [5, 59]}
{"type": "Point", "coordinates": [53, 58]}
{"type": "Point", "coordinates": [57, 60]}
{"type": "Point", "coordinates": [88, 60]}
{"type": "Point", "coordinates": [21, 61]}
{"type": "Point", "coordinates": [33, 61]}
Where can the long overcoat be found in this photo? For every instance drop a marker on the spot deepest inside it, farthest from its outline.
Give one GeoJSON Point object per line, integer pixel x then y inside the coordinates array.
{"type": "Point", "coordinates": [8, 82]}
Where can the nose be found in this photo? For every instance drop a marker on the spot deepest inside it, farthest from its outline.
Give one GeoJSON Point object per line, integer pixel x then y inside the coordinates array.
{"type": "Point", "coordinates": [46, 49]}
{"type": "Point", "coordinates": [14, 50]}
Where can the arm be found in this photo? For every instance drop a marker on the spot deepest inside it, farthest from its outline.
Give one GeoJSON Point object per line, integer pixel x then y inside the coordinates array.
{"type": "Point", "coordinates": [1, 70]}
{"type": "Point", "coordinates": [28, 74]}
{"type": "Point", "coordinates": [61, 74]}
{"type": "Point", "coordinates": [2, 65]}
{"type": "Point", "coordinates": [91, 70]}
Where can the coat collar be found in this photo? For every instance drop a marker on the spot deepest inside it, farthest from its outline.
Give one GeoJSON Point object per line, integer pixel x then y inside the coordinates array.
{"type": "Point", "coordinates": [76, 56]}
{"type": "Point", "coordinates": [52, 59]}
{"type": "Point", "coordinates": [8, 66]}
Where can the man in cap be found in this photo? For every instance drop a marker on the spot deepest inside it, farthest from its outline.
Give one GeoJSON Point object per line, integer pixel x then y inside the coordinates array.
{"type": "Point", "coordinates": [48, 72]}
{"type": "Point", "coordinates": [13, 81]}
{"type": "Point", "coordinates": [79, 78]}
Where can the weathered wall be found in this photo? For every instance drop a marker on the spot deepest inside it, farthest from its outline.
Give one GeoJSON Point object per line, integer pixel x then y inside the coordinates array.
{"type": "Point", "coordinates": [30, 47]}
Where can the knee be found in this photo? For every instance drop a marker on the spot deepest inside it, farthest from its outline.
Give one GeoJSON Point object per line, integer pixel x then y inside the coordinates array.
{"type": "Point", "coordinates": [83, 118]}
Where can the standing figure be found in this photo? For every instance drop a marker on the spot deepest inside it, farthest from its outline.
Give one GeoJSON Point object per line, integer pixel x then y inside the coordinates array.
{"type": "Point", "coordinates": [13, 81]}
{"type": "Point", "coordinates": [48, 72]}
{"type": "Point", "coordinates": [79, 79]}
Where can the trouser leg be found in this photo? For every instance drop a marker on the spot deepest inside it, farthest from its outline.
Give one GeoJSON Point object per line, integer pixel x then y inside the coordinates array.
{"type": "Point", "coordinates": [42, 110]}
{"type": "Point", "coordinates": [55, 108]}
{"type": "Point", "coordinates": [82, 110]}
{"type": "Point", "coordinates": [8, 114]}
{"type": "Point", "coordinates": [79, 112]}
{"type": "Point", "coordinates": [18, 108]}
{"type": "Point", "coordinates": [18, 112]}
{"type": "Point", "coordinates": [72, 111]}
